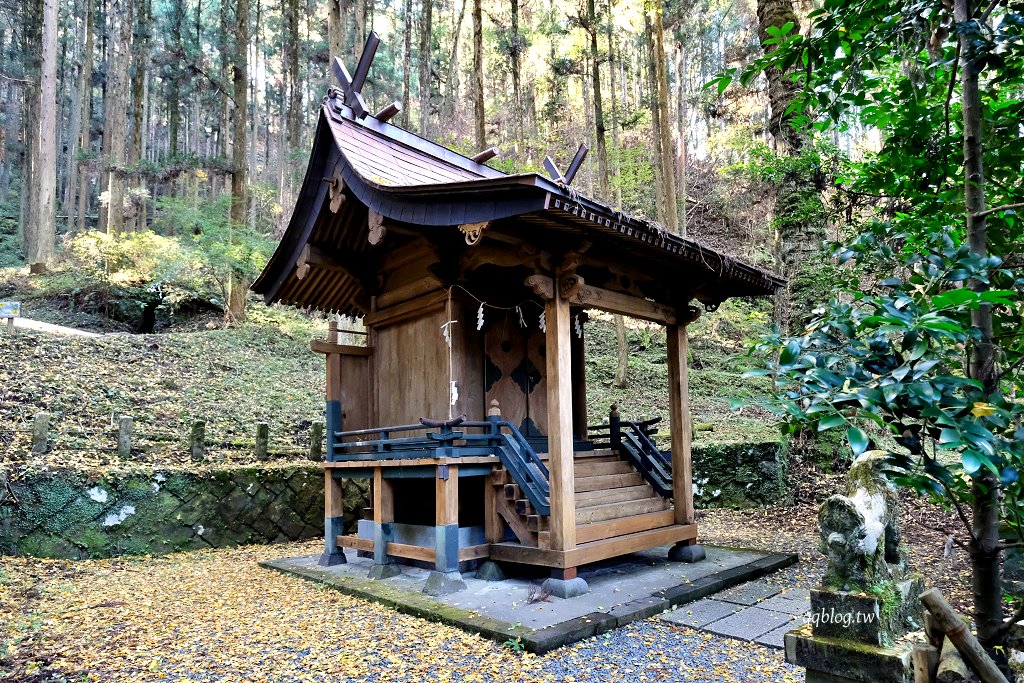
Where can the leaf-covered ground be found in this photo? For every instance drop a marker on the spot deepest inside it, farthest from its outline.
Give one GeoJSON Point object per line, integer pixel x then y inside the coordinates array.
{"type": "Point", "coordinates": [216, 616]}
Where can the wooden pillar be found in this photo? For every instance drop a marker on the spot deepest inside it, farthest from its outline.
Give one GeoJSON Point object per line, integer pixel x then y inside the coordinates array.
{"type": "Point", "coordinates": [680, 422]}
{"type": "Point", "coordinates": [560, 463]}
{"type": "Point", "coordinates": [494, 527]}
{"type": "Point", "coordinates": [383, 516]}
{"type": "Point", "coordinates": [446, 525]}
{"type": "Point", "coordinates": [333, 408]}
{"type": "Point", "coordinates": [334, 520]}
{"type": "Point", "coordinates": [579, 383]}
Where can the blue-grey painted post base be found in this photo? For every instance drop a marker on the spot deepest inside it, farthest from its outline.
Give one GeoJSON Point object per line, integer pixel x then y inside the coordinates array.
{"type": "Point", "coordinates": [332, 555]}
{"type": "Point", "coordinates": [332, 559]}
{"type": "Point", "coordinates": [681, 552]}
{"type": "Point", "coordinates": [490, 571]}
{"type": "Point", "coordinates": [565, 588]}
{"type": "Point", "coordinates": [443, 583]}
{"type": "Point", "coordinates": [384, 571]}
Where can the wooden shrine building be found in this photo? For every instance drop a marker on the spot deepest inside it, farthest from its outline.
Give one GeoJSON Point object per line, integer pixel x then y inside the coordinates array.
{"type": "Point", "coordinates": [467, 406]}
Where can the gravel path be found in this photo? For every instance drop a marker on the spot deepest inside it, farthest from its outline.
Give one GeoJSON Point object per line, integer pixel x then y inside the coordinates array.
{"type": "Point", "coordinates": [216, 616]}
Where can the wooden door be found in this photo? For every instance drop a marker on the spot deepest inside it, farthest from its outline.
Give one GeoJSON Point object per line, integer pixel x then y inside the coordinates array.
{"type": "Point", "coordinates": [514, 375]}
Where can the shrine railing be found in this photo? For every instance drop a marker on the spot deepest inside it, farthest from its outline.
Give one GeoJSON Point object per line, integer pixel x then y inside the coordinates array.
{"type": "Point", "coordinates": [456, 438]}
{"type": "Point", "coordinates": [633, 440]}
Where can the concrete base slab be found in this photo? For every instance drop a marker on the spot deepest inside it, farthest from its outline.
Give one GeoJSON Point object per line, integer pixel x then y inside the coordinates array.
{"type": "Point", "coordinates": [622, 590]}
{"type": "Point", "coordinates": [682, 552]}
{"type": "Point", "coordinates": [331, 559]}
{"type": "Point", "coordinates": [566, 588]}
{"type": "Point", "coordinates": [378, 572]}
{"type": "Point", "coordinates": [444, 583]}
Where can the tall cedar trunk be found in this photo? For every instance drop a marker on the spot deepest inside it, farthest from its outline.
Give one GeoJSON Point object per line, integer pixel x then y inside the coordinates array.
{"type": "Point", "coordinates": [5, 124]}
{"type": "Point", "coordinates": [121, 20]}
{"type": "Point", "coordinates": [426, 30]}
{"type": "Point", "coordinates": [67, 203]}
{"type": "Point", "coordinates": [136, 149]}
{"type": "Point", "coordinates": [515, 54]}
{"type": "Point", "coordinates": [290, 105]}
{"type": "Point", "coordinates": [335, 30]}
{"type": "Point", "coordinates": [451, 93]}
{"type": "Point", "coordinates": [660, 94]}
{"type": "Point", "coordinates": [254, 119]}
{"type": "Point", "coordinates": [78, 187]}
{"type": "Point", "coordinates": [595, 78]}
{"type": "Point", "coordinates": [406, 63]}
{"type": "Point", "coordinates": [797, 239]}
{"type": "Point", "coordinates": [31, 49]}
{"type": "Point", "coordinates": [102, 109]}
{"type": "Point", "coordinates": [238, 283]}
{"type": "Point", "coordinates": [984, 545]}
{"type": "Point", "coordinates": [615, 110]}
{"type": "Point", "coordinates": [478, 76]}
{"type": "Point", "coordinates": [41, 232]}
{"type": "Point", "coordinates": [360, 38]}
{"type": "Point", "coordinates": [652, 70]}
{"type": "Point", "coordinates": [681, 127]}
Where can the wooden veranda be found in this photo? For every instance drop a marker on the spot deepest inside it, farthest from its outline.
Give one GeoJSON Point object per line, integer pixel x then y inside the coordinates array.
{"type": "Point", "coordinates": [467, 406]}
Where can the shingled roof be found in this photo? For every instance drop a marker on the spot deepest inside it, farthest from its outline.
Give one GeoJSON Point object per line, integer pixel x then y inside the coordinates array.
{"type": "Point", "coordinates": [412, 181]}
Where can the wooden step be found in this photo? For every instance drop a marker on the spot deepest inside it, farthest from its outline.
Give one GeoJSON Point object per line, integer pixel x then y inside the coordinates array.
{"type": "Point", "coordinates": [600, 513]}
{"type": "Point", "coordinates": [512, 492]}
{"type": "Point", "coordinates": [607, 481]}
{"type": "Point", "coordinates": [524, 508]}
{"type": "Point", "coordinates": [585, 455]}
{"type": "Point", "coordinates": [616, 495]}
{"type": "Point", "coordinates": [593, 469]}
{"type": "Point", "coordinates": [537, 523]}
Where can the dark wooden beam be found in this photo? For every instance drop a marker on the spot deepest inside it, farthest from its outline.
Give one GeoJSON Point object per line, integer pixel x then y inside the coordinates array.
{"type": "Point", "coordinates": [388, 112]}
{"type": "Point", "coordinates": [486, 155]}
{"type": "Point", "coordinates": [577, 161]}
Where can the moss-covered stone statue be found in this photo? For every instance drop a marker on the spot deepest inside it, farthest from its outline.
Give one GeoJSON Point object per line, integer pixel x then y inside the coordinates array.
{"type": "Point", "coordinates": [868, 600]}
{"type": "Point", "coordinates": [860, 529]}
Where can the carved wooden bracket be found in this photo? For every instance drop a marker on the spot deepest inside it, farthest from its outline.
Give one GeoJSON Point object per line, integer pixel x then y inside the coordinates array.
{"type": "Point", "coordinates": [473, 231]}
{"type": "Point", "coordinates": [377, 229]}
{"type": "Point", "coordinates": [336, 191]}
{"type": "Point", "coordinates": [569, 286]}
{"type": "Point", "coordinates": [542, 286]}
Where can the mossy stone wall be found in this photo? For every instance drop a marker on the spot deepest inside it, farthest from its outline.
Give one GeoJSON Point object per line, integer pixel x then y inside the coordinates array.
{"type": "Point", "coordinates": [70, 514]}
{"type": "Point", "coordinates": [741, 474]}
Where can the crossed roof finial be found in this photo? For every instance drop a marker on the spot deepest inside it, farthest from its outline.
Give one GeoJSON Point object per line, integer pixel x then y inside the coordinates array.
{"type": "Point", "coordinates": [570, 173]}
{"type": "Point", "coordinates": [352, 85]}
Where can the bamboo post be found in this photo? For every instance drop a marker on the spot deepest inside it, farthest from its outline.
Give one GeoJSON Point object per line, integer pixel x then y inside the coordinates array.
{"type": "Point", "coordinates": [957, 632]}
{"type": "Point", "coordinates": [40, 431]}
{"type": "Point", "coordinates": [262, 440]}
{"type": "Point", "coordinates": [316, 440]}
{"type": "Point", "coordinates": [197, 440]}
{"type": "Point", "coordinates": [124, 437]}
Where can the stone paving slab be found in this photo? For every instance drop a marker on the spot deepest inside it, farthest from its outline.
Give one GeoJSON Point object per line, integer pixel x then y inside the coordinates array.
{"type": "Point", "coordinates": [795, 602]}
{"type": "Point", "coordinates": [749, 624]}
{"type": "Point", "coordinates": [749, 593]}
{"type": "Point", "coordinates": [776, 637]}
{"type": "Point", "coordinates": [623, 590]}
{"type": "Point", "coordinates": [701, 613]}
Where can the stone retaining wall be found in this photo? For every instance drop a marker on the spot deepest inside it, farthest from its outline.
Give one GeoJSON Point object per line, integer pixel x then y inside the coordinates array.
{"type": "Point", "coordinates": [69, 514]}
{"type": "Point", "coordinates": [740, 474]}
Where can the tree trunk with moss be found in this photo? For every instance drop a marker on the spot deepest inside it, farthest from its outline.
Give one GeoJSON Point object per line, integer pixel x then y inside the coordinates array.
{"type": "Point", "coordinates": [799, 221]}
{"type": "Point", "coordinates": [238, 285]}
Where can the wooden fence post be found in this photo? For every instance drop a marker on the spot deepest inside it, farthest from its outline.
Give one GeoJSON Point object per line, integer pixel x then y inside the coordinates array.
{"type": "Point", "coordinates": [262, 440]}
{"type": "Point", "coordinates": [316, 440]}
{"type": "Point", "coordinates": [614, 428]}
{"type": "Point", "coordinates": [124, 437]}
{"type": "Point", "coordinates": [197, 440]}
{"type": "Point", "coordinates": [40, 432]}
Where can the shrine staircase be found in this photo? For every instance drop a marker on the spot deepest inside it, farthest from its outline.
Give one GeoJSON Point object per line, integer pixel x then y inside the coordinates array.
{"type": "Point", "coordinates": [614, 497]}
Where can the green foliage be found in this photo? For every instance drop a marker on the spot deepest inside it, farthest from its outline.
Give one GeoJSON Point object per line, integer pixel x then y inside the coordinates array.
{"type": "Point", "coordinates": [885, 363]}
{"type": "Point", "coordinates": [635, 179]}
